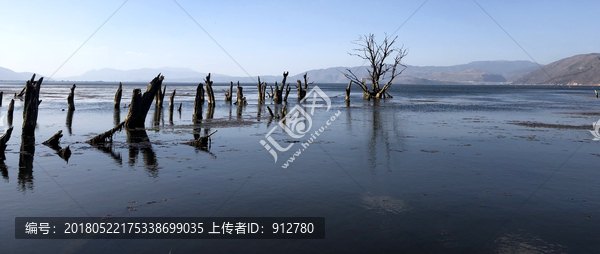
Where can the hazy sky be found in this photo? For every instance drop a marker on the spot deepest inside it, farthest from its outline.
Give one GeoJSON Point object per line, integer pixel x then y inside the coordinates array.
{"type": "Point", "coordinates": [269, 37]}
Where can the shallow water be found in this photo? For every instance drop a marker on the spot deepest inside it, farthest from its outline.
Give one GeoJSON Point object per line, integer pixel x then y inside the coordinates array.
{"type": "Point", "coordinates": [435, 169]}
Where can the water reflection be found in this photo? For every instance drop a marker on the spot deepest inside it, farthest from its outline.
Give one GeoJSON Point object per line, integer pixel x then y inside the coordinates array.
{"type": "Point", "coordinates": [69, 121]}
{"type": "Point", "coordinates": [158, 116]}
{"type": "Point", "coordinates": [117, 116]}
{"type": "Point", "coordinates": [4, 171]}
{"type": "Point", "coordinates": [384, 131]}
{"type": "Point", "coordinates": [139, 142]}
{"type": "Point", "coordinates": [25, 178]}
{"type": "Point", "coordinates": [109, 149]}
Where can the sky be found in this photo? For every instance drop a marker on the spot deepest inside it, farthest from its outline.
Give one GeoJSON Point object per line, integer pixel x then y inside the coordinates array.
{"type": "Point", "coordinates": [241, 38]}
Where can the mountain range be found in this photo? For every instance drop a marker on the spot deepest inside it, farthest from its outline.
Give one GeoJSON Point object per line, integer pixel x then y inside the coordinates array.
{"type": "Point", "coordinates": [575, 70]}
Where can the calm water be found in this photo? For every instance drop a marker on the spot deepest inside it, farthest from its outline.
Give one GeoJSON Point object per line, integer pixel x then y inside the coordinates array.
{"type": "Point", "coordinates": [436, 169]}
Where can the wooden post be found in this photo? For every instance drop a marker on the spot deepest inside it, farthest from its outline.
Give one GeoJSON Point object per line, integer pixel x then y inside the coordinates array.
{"type": "Point", "coordinates": [9, 114]}
{"type": "Point", "coordinates": [30, 110]}
{"type": "Point", "coordinates": [3, 140]}
{"type": "Point", "coordinates": [118, 95]}
{"type": "Point", "coordinates": [71, 97]}
{"type": "Point", "coordinates": [140, 104]}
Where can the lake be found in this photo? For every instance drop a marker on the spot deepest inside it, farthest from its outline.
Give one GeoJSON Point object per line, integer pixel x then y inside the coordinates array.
{"type": "Point", "coordinates": [437, 168]}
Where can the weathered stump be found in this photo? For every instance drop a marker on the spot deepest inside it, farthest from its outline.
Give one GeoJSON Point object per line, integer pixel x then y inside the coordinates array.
{"type": "Point", "coordinates": [71, 97]}
{"type": "Point", "coordinates": [118, 95]}
{"type": "Point", "coordinates": [202, 142]}
{"type": "Point", "coordinates": [229, 95]}
{"type": "Point", "coordinates": [160, 96]}
{"type": "Point", "coordinates": [32, 101]}
{"type": "Point", "coordinates": [3, 140]}
{"type": "Point", "coordinates": [198, 102]}
{"type": "Point", "coordinates": [262, 88]}
{"type": "Point", "coordinates": [140, 104]}
{"type": "Point", "coordinates": [54, 141]}
{"type": "Point", "coordinates": [209, 91]}
{"type": "Point", "coordinates": [172, 106]}
{"type": "Point", "coordinates": [240, 99]}
{"type": "Point", "coordinates": [116, 116]}
{"type": "Point", "coordinates": [9, 114]}
{"type": "Point", "coordinates": [348, 92]}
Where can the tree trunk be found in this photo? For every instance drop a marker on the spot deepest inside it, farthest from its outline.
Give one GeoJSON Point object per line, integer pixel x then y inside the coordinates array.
{"type": "Point", "coordinates": [229, 95]}
{"type": "Point", "coordinates": [277, 96]}
{"type": "Point", "coordinates": [160, 97]}
{"type": "Point", "coordinates": [241, 100]}
{"type": "Point", "coordinates": [140, 104]}
{"type": "Point", "coordinates": [70, 98]}
{"type": "Point", "coordinates": [118, 96]}
{"type": "Point", "coordinates": [9, 114]}
{"type": "Point", "coordinates": [287, 92]}
{"type": "Point", "coordinates": [198, 102]}
{"type": "Point", "coordinates": [348, 92]}
{"type": "Point", "coordinates": [171, 102]}
{"type": "Point", "coordinates": [262, 88]}
{"type": "Point", "coordinates": [209, 91]}
{"type": "Point", "coordinates": [30, 110]}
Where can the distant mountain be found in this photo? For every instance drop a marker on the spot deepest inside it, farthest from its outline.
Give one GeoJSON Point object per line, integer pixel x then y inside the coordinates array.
{"type": "Point", "coordinates": [575, 70]}
{"type": "Point", "coordinates": [474, 72]}
{"type": "Point", "coordinates": [7, 74]}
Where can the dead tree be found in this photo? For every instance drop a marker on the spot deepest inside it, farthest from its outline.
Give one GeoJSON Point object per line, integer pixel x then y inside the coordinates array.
{"type": "Point", "coordinates": [229, 94]}
{"type": "Point", "coordinates": [32, 101]}
{"type": "Point", "coordinates": [302, 90]}
{"type": "Point", "coordinates": [210, 95]}
{"type": "Point", "coordinates": [348, 92]}
{"type": "Point", "coordinates": [140, 104]}
{"type": "Point", "coordinates": [171, 102]}
{"type": "Point", "coordinates": [9, 114]}
{"type": "Point", "coordinates": [3, 140]}
{"type": "Point", "coordinates": [379, 71]}
{"type": "Point", "coordinates": [118, 96]}
{"type": "Point", "coordinates": [241, 100]}
{"type": "Point", "coordinates": [287, 92]}
{"type": "Point", "coordinates": [160, 96]}
{"type": "Point", "coordinates": [198, 102]}
{"type": "Point", "coordinates": [262, 87]}
{"type": "Point", "coordinates": [71, 97]}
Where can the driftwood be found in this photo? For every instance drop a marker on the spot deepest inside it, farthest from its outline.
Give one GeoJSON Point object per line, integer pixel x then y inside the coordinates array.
{"type": "Point", "coordinates": [198, 102]}
{"type": "Point", "coordinates": [106, 137]}
{"type": "Point", "coordinates": [54, 141]}
{"type": "Point", "coordinates": [71, 97]}
{"type": "Point", "coordinates": [9, 114]}
{"type": "Point", "coordinates": [140, 104]}
{"type": "Point", "coordinates": [202, 142]}
{"type": "Point", "coordinates": [118, 95]}
{"type": "Point", "coordinates": [3, 140]}
{"type": "Point", "coordinates": [30, 110]}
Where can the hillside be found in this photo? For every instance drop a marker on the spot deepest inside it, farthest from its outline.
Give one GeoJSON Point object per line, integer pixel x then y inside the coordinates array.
{"type": "Point", "coordinates": [7, 74]}
{"type": "Point", "coordinates": [575, 70]}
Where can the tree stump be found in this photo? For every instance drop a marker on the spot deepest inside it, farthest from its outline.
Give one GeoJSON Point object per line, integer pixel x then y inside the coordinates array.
{"type": "Point", "coordinates": [140, 104]}
{"type": "Point", "coordinates": [348, 92]}
{"type": "Point", "coordinates": [9, 114]}
{"type": "Point", "coordinates": [202, 142]}
{"type": "Point", "coordinates": [262, 88]}
{"type": "Point", "coordinates": [209, 91]}
{"type": "Point", "coordinates": [3, 140]}
{"type": "Point", "coordinates": [241, 100]}
{"type": "Point", "coordinates": [118, 95]}
{"type": "Point", "coordinates": [116, 116]}
{"type": "Point", "coordinates": [198, 102]}
{"type": "Point", "coordinates": [54, 141]}
{"type": "Point", "coordinates": [70, 98]}
{"type": "Point", "coordinates": [287, 92]}
{"type": "Point", "coordinates": [160, 96]}
{"type": "Point", "coordinates": [172, 106]}
{"type": "Point", "coordinates": [30, 110]}
{"type": "Point", "coordinates": [229, 95]}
